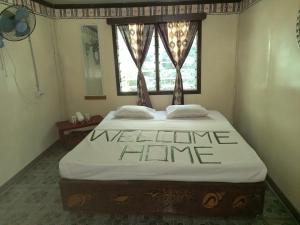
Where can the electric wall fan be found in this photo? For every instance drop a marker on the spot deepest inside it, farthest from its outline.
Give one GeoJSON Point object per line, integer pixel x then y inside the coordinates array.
{"type": "Point", "coordinates": [16, 24]}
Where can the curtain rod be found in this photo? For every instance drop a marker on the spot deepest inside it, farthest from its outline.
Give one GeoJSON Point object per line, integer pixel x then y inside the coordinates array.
{"type": "Point", "coordinates": [156, 19]}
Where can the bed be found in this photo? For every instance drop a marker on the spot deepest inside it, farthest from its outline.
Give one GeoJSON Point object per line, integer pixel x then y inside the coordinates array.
{"type": "Point", "coordinates": [199, 166]}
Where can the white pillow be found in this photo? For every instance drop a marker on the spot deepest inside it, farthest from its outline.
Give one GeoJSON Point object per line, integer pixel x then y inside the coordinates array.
{"type": "Point", "coordinates": [185, 111]}
{"type": "Point", "coordinates": [134, 111]}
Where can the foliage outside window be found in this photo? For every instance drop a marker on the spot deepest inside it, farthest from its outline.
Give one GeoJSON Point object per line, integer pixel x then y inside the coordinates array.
{"type": "Point", "coordinates": [158, 70]}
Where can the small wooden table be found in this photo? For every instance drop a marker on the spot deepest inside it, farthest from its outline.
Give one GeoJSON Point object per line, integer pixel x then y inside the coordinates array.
{"type": "Point", "coordinates": [66, 125]}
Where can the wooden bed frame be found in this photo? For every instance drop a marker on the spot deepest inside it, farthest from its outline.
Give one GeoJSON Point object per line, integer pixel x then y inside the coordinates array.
{"type": "Point", "coordinates": [163, 197]}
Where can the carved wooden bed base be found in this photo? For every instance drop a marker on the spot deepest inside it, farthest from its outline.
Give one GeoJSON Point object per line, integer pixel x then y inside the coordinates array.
{"type": "Point", "coordinates": [163, 197]}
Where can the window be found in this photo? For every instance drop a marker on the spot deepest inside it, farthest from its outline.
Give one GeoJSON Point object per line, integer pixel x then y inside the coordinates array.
{"type": "Point", "coordinates": [158, 70]}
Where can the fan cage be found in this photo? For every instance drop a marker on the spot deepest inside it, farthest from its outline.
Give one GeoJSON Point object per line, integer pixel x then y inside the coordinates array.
{"type": "Point", "coordinates": [30, 20]}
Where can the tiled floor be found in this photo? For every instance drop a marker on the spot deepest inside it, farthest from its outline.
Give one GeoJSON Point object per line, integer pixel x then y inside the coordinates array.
{"type": "Point", "coordinates": [34, 199]}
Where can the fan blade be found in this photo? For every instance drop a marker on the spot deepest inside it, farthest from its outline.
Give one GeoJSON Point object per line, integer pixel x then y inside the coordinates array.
{"type": "Point", "coordinates": [24, 34]}
{"type": "Point", "coordinates": [6, 24]}
{"type": "Point", "coordinates": [21, 13]}
{"type": "Point", "coordinates": [21, 28]}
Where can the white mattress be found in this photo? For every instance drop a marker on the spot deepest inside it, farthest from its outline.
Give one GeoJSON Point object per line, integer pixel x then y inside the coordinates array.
{"type": "Point", "coordinates": [205, 149]}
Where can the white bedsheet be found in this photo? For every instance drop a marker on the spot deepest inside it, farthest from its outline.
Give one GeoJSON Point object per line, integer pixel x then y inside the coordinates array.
{"type": "Point", "coordinates": [206, 149]}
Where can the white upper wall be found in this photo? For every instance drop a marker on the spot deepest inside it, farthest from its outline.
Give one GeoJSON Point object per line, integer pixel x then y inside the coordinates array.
{"type": "Point", "coordinates": [218, 67]}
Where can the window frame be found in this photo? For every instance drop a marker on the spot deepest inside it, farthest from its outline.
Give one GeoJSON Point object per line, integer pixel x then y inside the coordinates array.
{"type": "Point", "coordinates": [157, 92]}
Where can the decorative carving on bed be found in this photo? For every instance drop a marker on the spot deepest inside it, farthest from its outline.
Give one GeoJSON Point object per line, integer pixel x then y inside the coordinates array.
{"type": "Point", "coordinates": [121, 199]}
{"type": "Point", "coordinates": [240, 201]}
{"type": "Point", "coordinates": [78, 200]}
{"type": "Point", "coordinates": [212, 200]}
{"type": "Point", "coordinates": [170, 196]}
{"type": "Point", "coordinates": [159, 197]}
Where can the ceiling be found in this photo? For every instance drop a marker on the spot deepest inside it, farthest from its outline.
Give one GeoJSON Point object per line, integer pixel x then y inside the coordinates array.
{"type": "Point", "coordinates": [128, 2]}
